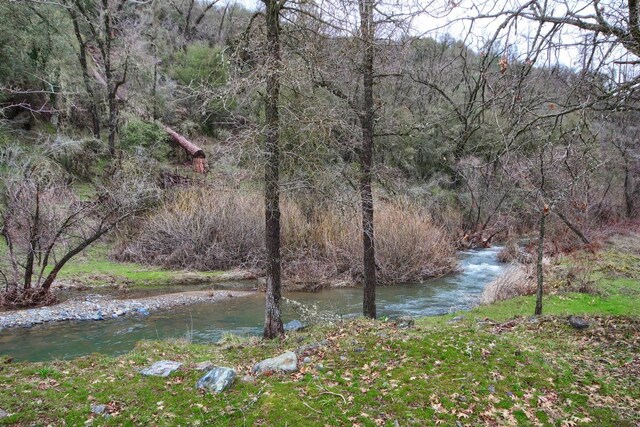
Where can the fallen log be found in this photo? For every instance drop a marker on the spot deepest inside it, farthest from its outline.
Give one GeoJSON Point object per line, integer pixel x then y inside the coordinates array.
{"type": "Point", "coordinates": [196, 153]}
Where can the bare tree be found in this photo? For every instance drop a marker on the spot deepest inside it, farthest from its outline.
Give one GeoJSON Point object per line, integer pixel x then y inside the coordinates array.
{"type": "Point", "coordinates": [44, 224]}
{"type": "Point", "coordinates": [98, 27]}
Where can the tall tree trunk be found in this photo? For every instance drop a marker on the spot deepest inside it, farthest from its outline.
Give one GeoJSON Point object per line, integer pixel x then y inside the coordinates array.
{"type": "Point", "coordinates": [273, 320]}
{"type": "Point", "coordinates": [540, 272]}
{"type": "Point", "coordinates": [367, 32]}
{"type": "Point", "coordinates": [84, 65]}
{"type": "Point", "coordinates": [154, 87]}
{"type": "Point", "coordinates": [112, 86]}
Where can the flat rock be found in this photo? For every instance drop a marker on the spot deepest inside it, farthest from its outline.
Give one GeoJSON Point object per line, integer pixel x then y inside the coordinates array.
{"type": "Point", "coordinates": [3, 414]}
{"type": "Point", "coordinates": [248, 379]}
{"type": "Point", "coordinates": [294, 325]}
{"type": "Point", "coordinates": [218, 379]}
{"type": "Point", "coordinates": [286, 362]}
{"type": "Point", "coordinates": [163, 368]}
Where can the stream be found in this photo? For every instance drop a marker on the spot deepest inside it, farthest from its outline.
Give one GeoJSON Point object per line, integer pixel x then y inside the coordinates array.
{"type": "Point", "coordinates": [245, 316]}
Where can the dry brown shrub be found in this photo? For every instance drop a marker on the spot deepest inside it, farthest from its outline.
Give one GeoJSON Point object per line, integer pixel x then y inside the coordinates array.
{"type": "Point", "coordinates": [209, 229]}
{"type": "Point", "coordinates": [517, 280]}
{"type": "Point", "coordinates": [409, 246]}
{"type": "Point", "coordinates": [513, 252]}
{"type": "Point", "coordinates": [201, 229]}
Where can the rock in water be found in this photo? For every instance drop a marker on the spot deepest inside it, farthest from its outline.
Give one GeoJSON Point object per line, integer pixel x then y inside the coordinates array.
{"type": "Point", "coordinates": [294, 325]}
{"type": "Point", "coordinates": [217, 379]}
{"type": "Point", "coordinates": [578, 322]}
{"type": "Point", "coordinates": [286, 362]}
{"type": "Point", "coordinates": [163, 368]}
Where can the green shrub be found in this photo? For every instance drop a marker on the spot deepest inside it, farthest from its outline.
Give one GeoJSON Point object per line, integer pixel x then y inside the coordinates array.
{"type": "Point", "coordinates": [77, 157]}
{"type": "Point", "coordinates": [202, 70]}
{"type": "Point", "coordinates": [148, 135]}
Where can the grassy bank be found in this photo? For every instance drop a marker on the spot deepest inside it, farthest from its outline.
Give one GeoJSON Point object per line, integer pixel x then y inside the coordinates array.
{"type": "Point", "coordinates": [495, 366]}
{"type": "Point", "coordinates": [94, 268]}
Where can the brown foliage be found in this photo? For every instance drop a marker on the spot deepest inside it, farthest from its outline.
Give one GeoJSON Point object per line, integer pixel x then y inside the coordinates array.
{"type": "Point", "coordinates": [209, 229]}
{"type": "Point", "coordinates": [517, 280]}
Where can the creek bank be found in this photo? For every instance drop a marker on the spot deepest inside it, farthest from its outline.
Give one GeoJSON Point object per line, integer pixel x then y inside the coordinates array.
{"type": "Point", "coordinates": [101, 307]}
{"type": "Point", "coordinates": [103, 281]}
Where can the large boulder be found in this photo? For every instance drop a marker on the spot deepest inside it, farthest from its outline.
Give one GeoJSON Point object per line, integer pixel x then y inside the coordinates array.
{"type": "Point", "coordinates": [217, 379]}
{"type": "Point", "coordinates": [286, 362]}
{"type": "Point", "coordinates": [163, 368]}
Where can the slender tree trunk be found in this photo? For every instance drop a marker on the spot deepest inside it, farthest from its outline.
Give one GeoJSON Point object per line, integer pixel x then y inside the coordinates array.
{"type": "Point", "coordinates": [113, 120]}
{"type": "Point", "coordinates": [33, 242]}
{"type": "Point", "coordinates": [539, 269]}
{"type": "Point", "coordinates": [84, 65]}
{"type": "Point", "coordinates": [112, 87]}
{"type": "Point", "coordinates": [273, 320]}
{"type": "Point", "coordinates": [154, 88]}
{"type": "Point", "coordinates": [629, 199]}
{"type": "Point", "coordinates": [573, 228]}
{"type": "Point", "coordinates": [366, 160]}
{"type": "Point", "coordinates": [51, 277]}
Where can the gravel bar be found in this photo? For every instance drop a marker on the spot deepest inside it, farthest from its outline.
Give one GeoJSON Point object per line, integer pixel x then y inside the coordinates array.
{"type": "Point", "coordinates": [101, 307]}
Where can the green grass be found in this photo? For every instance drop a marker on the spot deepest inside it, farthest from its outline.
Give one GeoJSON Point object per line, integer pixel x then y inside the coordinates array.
{"type": "Point", "coordinates": [512, 371]}
{"type": "Point", "coordinates": [93, 268]}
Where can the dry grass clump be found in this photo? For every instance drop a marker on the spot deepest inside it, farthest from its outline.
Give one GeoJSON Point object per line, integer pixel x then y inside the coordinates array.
{"type": "Point", "coordinates": [208, 229]}
{"type": "Point", "coordinates": [517, 280]}
{"type": "Point", "coordinates": [513, 252]}
{"type": "Point", "coordinates": [410, 247]}
{"type": "Point", "coordinates": [201, 229]}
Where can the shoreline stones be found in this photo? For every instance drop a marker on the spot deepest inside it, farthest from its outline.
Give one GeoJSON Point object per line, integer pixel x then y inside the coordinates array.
{"type": "Point", "coordinates": [101, 307]}
{"type": "Point", "coordinates": [286, 362]}
{"type": "Point", "coordinates": [163, 368]}
{"type": "Point", "coordinates": [217, 379]}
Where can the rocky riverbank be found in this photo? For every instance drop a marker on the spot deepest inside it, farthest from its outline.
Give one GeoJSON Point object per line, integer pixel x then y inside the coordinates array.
{"type": "Point", "coordinates": [101, 307]}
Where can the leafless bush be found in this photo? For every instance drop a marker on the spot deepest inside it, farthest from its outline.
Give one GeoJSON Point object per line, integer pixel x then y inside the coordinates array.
{"type": "Point", "coordinates": [216, 229]}
{"type": "Point", "coordinates": [517, 280]}
{"type": "Point", "coordinates": [77, 157]}
{"type": "Point", "coordinates": [201, 229]}
{"type": "Point", "coordinates": [44, 223]}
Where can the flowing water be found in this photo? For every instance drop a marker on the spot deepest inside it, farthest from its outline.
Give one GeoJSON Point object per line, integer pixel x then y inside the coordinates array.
{"type": "Point", "coordinates": [208, 322]}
